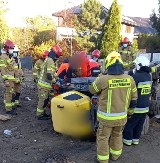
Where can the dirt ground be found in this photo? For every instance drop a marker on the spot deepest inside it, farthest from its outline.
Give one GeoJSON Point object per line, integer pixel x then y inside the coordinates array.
{"type": "Point", "coordinates": [35, 141]}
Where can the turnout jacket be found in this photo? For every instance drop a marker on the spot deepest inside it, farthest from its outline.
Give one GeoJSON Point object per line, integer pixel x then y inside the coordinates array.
{"type": "Point", "coordinates": [37, 69]}
{"type": "Point", "coordinates": [48, 74]}
{"type": "Point", "coordinates": [143, 82]}
{"type": "Point", "coordinates": [127, 55]}
{"type": "Point", "coordinates": [117, 92]}
{"type": "Point", "coordinates": [7, 68]}
{"type": "Point", "coordinates": [19, 75]}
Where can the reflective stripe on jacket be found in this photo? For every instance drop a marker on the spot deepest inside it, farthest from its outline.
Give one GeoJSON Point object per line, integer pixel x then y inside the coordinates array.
{"type": "Point", "coordinates": [144, 84]}
{"type": "Point", "coordinates": [48, 67]}
{"type": "Point", "coordinates": [116, 94]}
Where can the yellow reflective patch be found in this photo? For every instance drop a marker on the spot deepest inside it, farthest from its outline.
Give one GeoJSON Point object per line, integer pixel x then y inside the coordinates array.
{"type": "Point", "coordinates": [95, 87]}
{"type": "Point", "coordinates": [119, 83]}
{"type": "Point", "coordinates": [127, 98]}
{"type": "Point", "coordinates": [115, 152]}
{"type": "Point", "coordinates": [146, 91]}
{"type": "Point", "coordinates": [109, 101]}
{"type": "Point", "coordinates": [153, 69]}
{"type": "Point", "coordinates": [103, 158]}
{"type": "Point", "coordinates": [111, 118]}
{"type": "Point", "coordinates": [134, 90]}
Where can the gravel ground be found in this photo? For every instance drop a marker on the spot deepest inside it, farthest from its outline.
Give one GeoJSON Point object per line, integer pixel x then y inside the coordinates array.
{"type": "Point", "coordinates": [34, 141]}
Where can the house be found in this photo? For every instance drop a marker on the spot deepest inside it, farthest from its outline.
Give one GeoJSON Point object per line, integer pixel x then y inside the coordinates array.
{"type": "Point", "coordinates": [144, 26]}
{"type": "Point", "coordinates": [65, 28]}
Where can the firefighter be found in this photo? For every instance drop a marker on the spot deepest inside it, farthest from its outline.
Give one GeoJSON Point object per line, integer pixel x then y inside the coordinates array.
{"type": "Point", "coordinates": [7, 73]}
{"type": "Point", "coordinates": [59, 61]}
{"type": "Point", "coordinates": [112, 116]}
{"type": "Point", "coordinates": [84, 64]}
{"type": "Point", "coordinates": [127, 53]}
{"type": "Point", "coordinates": [65, 71]}
{"type": "Point", "coordinates": [38, 66]}
{"type": "Point", "coordinates": [47, 77]}
{"type": "Point", "coordinates": [75, 65]}
{"type": "Point", "coordinates": [18, 77]}
{"type": "Point", "coordinates": [93, 63]}
{"type": "Point", "coordinates": [142, 77]}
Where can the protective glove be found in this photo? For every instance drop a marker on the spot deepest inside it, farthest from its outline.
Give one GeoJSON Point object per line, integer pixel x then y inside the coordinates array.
{"type": "Point", "coordinates": [35, 81]}
{"type": "Point", "coordinates": [49, 76]}
{"type": "Point", "coordinates": [6, 83]}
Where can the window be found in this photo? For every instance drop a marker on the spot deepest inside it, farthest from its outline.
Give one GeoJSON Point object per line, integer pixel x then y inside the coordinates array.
{"type": "Point", "coordinates": [60, 21]}
{"type": "Point", "coordinates": [128, 29]}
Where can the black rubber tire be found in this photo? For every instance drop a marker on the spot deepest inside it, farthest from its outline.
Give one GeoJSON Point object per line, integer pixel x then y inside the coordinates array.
{"type": "Point", "coordinates": [153, 108]}
{"type": "Point", "coordinates": [158, 108]}
{"type": "Point", "coordinates": [146, 126]}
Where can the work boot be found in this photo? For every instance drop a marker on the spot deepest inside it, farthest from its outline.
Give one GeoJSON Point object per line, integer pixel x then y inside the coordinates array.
{"type": "Point", "coordinates": [114, 157]}
{"type": "Point", "coordinates": [14, 107]}
{"type": "Point", "coordinates": [12, 112]}
{"type": "Point", "coordinates": [44, 117]}
{"type": "Point", "coordinates": [158, 120]}
{"type": "Point", "coordinates": [18, 105]}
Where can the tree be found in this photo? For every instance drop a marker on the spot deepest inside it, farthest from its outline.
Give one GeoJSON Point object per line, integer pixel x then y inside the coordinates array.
{"type": "Point", "coordinates": [38, 50]}
{"type": "Point", "coordinates": [110, 38]}
{"type": "Point", "coordinates": [155, 19]}
{"type": "Point", "coordinates": [43, 29]}
{"type": "Point", "coordinates": [40, 23]}
{"type": "Point", "coordinates": [24, 40]}
{"type": "Point", "coordinates": [135, 46]}
{"type": "Point", "coordinates": [149, 42]}
{"type": "Point", "coordinates": [87, 24]}
{"type": "Point", "coordinates": [4, 30]}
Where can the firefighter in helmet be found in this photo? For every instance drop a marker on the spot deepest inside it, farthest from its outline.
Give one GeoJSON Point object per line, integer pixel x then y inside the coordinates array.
{"type": "Point", "coordinates": [18, 76]}
{"type": "Point", "coordinates": [8, 75]}
{"type": "Point", "coordinates": [127, 53]}
{"type": "Point", "coordinates": [142, 77]}
{"type": "Point", "coordinates": [84, 64]}
{"type": "Point", "coordinates": [93, 63]}
{"type": "Point", "coordinates": [112, 116]}
{"type": "Point", "coordinates": [38, 66]}
{"type": "Point", "coordinates": [48, 77]}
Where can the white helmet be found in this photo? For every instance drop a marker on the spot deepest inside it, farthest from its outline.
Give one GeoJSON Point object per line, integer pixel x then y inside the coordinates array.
{"type": "Point", "coordinates": [141, 61]}
{"type": "Point", "coordinates": [3, 51]}
{"type": "Point", "coordinates": [16, 49]}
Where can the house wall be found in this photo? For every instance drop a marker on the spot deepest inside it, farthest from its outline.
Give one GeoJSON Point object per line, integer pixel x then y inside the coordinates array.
{"type": "Point", "coordinates": [64, 29]}
{"type": "Point", "coordinates": [127, 31]}
{"type": "Point", "coordinates": [65, 32]}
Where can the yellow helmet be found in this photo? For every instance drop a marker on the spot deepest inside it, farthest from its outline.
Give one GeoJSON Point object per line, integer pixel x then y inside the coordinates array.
{"type": "Point", "coordinates": [112, 58]}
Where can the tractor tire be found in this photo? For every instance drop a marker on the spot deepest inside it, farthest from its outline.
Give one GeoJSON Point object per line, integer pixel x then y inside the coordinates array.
{"type": "Point", "coordinates": [158, 108]}
{"type": "Point", "coordinates": [153, 108]}
{"type": "Point", "coordinates": [145, 126]}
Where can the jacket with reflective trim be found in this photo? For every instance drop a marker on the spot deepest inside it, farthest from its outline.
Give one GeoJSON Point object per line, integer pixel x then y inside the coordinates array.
{"type": "Point", "coordinates": [7, 67]}
{"type": "Point", "coordinates": [48, 67]}
{"type": "Point", "coordinates": [116, 95]}
{"type": "Point", "coordinates": [64, 71]}
{"type": "Point", "coordinates": [143, 83]}
{"type": "Point", "coordinates": [37, 69]}
{"type": "Point", "coordinates": [94, 68]}
{"type": "Point", "coordinates": [18, 71]}
{"type": "Point", "coordinates": [127, 55]}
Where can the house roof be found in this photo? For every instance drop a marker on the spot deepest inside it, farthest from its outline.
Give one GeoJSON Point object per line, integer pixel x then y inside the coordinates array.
{"type": "Point", "coordinates": [144, 26]}
{"type": "Point", "coordinates": [72, 10]}
{"type": "Point", "coordinates": [125, 19]}
{"type": "Point", "coordinates": [78, 10]}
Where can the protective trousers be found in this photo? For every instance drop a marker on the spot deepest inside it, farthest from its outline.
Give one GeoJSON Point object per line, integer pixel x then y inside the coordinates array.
{"type": "Point", "coordinates": [8, 95]}
{"type": "Point", "coordinates": [17, 89]}
{"type": "Point", "coordinates": [43, 95]}
{"type": "Point", "coordinates": [128, 59]}
{"type": "Point", "coordinates": [109, 140]}
{"type": "Point", "coordinates": [133, 129]}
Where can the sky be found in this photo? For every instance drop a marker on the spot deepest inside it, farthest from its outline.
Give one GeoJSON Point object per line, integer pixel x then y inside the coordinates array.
{"type": "Point", "coordinates": [19, 9]}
